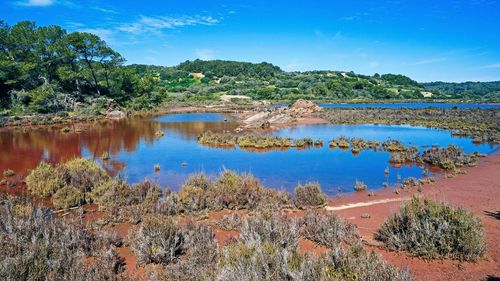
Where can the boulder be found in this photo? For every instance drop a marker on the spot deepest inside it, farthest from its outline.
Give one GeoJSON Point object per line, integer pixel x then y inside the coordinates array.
{"type": "Point", "coordinates": [116, 114]}
{"type": "Point", "coordinates": [304, 104]}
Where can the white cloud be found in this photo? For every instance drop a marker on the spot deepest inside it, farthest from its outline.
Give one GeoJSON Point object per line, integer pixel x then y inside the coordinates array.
{"type": "Point", "coordinates": [429, 61]}
{"type": "Point", "coordinates": [204, 54]}
{"type": "Point", "coordinates": [104, 34]}
{"type": "Point", "coordinates": [159, 23]}
{"type": "Point", "coordinates": [36, 3]}
{"type": "Point", "coordinates": [105, 10]}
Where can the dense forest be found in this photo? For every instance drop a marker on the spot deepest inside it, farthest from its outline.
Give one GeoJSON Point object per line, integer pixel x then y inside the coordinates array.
{"type": "Point", "coordinates": [46, 69]}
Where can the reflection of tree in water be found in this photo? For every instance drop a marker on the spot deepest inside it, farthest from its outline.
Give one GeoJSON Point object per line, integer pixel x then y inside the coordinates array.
{"type": "Point", "coordinates": [23, 150]}
{"type": "Point", "coordinates": [191, 130]}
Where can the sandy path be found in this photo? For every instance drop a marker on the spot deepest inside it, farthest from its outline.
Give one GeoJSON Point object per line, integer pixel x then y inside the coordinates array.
{"type": "Point", "coordinates": [365, 204]}
{"type": "Point", "coordinates": [477, 191]}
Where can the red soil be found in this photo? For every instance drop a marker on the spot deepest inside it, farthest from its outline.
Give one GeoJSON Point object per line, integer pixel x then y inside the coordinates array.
{"type": "Point", "coordinates": [477, 191]}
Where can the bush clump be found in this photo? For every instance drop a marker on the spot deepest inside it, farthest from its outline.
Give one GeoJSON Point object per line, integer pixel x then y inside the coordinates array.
{"type": "Point", "coordinates": [309, 195]}
{"type": "Point", "coordinates": [82, 173]}
{"type": "Point", "coordinates": [9, 173]}
{"type": "Point", "coordinates": [67, 197]}
{"type": "Point", "coordinates": [44, 180]}
{"type": "Point", "coordinates": [429, 229]}
{"type": "Point", "coordinates": [269, 227]}
{"type": "Point", "coordinates": [158, 240]}
{"type": "Point", "coordinates": [327, 228]}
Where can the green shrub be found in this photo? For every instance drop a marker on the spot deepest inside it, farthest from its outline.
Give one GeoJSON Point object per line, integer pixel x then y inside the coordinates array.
{"type": "Point", "coordinates": [83, 173]}
{"type": "Point", "coordinates": [309, 195]}
{"type": "Point", "coordinates": [226, 187]}
{"type": "Point", "coordinates": [8, 173]}
{"type": "Point", "coordinates": [44, 180]}
{"type": "Point", "coordinates": [192, 198]}
{"type": "Point", "coordinates": [430, 229]}
{"type": "Point", "coordinates": [106, 193]}
{"type": "Point", "coordinates": [67, 197]}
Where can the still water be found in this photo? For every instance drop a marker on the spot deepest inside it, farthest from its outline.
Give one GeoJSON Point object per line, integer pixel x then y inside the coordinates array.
{"type": "Point", "coordinates": [134, 151]}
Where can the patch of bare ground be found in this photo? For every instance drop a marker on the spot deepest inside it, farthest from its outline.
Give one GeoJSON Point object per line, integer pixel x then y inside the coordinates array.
{"type": "Point", "coordinates": [477, 191]}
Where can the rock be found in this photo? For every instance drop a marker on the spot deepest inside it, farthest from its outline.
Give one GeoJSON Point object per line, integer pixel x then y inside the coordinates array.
{"type": "Point", "coordinates": [257, 117]}
{"type": "Point", "coordinates": [116, 114]}
{"type": "Point", "coordinates": [266, 125]}
{"type": "Point", "coordinates": [303, 104]}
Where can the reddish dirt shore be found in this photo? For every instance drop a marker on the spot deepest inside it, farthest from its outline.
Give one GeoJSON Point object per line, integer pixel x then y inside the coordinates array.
{"type": "Point", "coordinates": [477, 191]}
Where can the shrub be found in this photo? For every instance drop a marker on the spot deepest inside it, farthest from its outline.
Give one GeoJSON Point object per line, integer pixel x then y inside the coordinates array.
{"type": "Point", "coordinates": [269, 227]}
{"type": "Point", "coordinates": [327, 228]}
{"type": "Point", "coordinates": [44, 180]}
{"type": "Point", "coordinates": [430, 229]}
{"type": "Point", "coordinates": [106, 193]}
{"type": "Point", "coordinates": [262, 261]}
{"type": "Point", "coordinates": [201, 254]}
{"type": "Point", "coordinates": [230, 222]}
{"type": "Point", "coordinates": [8, 173]}
{"type": "Point", "coordinates": [67, 197]}
{"type": "Point", "coordinates": [158, 240]}
{"type": "Point", "coordinates": [192, 198]}
{"type": "Point", "coordinates": [199, 180]}
{"type": "Point", "coordinates": [355, 263]}
{"type": "Point", "coordinates": [360, 186]}
{"type": "Point", "coordinates": [309, 195]}
{"type": "Point", "coordinates": [38, 246]}
{"type": "Point", "coordinates": [250, 194]}
{"type": "Point", "coordinates": [226, 186]}
{"type": "Point", "coordinates": [83, 173]}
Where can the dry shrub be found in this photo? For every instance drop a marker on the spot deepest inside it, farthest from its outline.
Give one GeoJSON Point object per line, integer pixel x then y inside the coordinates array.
{"type": "Point", "coordinates": [67, 197]}
{"type": "Point", "coordinates": [158, 240]}
{"type": "Point", "coordinates": [327, 228]}
{"type": "Point", "coordinates": [263, 261]}
{"type": "Point", "coordinates": [429, 229]}
{"type": "Point", "coordinates": [200, 257]}
{"type": "Point", "coordinates": [230, 222]}
{"type": "Point", "coordinates": [269, 227]}
{"type": "Point", "coordinates": [355, 263]}
{"type": "Point", "coordinates": [39, 247]}
{"type": "Point", "coordinates": [44, 180]}
{"type": "Point", "coordinates": [309, 195]}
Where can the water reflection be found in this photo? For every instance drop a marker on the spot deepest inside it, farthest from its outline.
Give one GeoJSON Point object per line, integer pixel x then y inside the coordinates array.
{"type": "Point", "coordinates": [134, 150]}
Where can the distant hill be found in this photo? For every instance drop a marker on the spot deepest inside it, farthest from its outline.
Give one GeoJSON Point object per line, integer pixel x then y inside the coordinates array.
{"type": "Point", "coordinates": [483, 89]}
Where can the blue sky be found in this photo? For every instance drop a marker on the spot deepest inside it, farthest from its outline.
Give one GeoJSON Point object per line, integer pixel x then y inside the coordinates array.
{"type": "Point", "coordinates": [426, 40]}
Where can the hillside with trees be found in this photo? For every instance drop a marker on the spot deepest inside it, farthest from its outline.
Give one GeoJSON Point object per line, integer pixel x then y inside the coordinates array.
{"type": "Point", "coordinates": [45, 69]}
{"type": "Point", "coordinates": [483, 89]}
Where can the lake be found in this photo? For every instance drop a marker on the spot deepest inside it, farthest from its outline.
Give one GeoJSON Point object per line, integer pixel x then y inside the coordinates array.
{"type": "Point", "coordinates": [134, 151]}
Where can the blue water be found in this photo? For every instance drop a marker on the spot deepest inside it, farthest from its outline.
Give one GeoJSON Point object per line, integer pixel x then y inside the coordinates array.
{"type": "Point", "coordinates": [134, 151]}
{"type": "Point", "coordinates": [403, 105]}
{"type": "Point", "coordinates": [334, 169]}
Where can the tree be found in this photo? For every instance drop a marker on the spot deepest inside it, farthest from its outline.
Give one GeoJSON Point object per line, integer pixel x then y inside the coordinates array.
{"type": "Point", "coordinates": [87, 47]}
